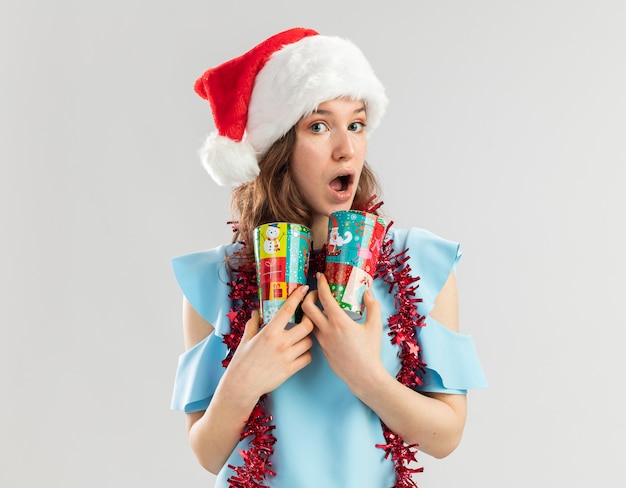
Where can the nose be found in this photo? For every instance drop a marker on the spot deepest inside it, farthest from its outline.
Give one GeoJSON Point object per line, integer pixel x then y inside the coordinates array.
{"type": "Point", "coordinates": [343, 148]}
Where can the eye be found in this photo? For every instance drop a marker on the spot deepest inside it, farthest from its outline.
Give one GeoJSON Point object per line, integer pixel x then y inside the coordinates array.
{"type": "Point", "coordinates": [318, 127]}
{"type": "Point", "coordinates": [357, 126]}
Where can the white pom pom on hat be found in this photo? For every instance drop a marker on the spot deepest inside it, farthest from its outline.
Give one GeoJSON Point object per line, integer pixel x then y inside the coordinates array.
{"type": "Point", "coordinates": [227, 161]}
{"type": "Point", "coordinates": [257, 97]}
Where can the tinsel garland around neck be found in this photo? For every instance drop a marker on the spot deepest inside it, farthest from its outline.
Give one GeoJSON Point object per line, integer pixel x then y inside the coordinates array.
{"type": "Point", "coordinates": [394, 270]}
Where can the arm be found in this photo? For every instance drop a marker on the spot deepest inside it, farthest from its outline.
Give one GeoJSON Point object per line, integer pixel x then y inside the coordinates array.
{"type": "Point", "coordinates": [435, 421]}
{"type": "Point", "coordinates": [263, 360]}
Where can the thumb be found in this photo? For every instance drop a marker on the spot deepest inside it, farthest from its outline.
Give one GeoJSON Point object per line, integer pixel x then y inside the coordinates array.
{"type": "Point", "coordinates": [252, 327]}
{"type": "Point", "coordinates": [372, 306]}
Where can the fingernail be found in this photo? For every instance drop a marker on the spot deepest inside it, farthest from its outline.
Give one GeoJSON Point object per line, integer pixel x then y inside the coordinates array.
{"type": "Point", "coordinates": [304, 289]}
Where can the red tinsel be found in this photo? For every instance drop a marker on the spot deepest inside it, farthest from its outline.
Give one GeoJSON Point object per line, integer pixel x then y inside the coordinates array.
{"type": "Point", "coordinates": [257, 464]}
{"type": "Point", "coordinates": [257, 458]}
{"type": "Point", "coordinates": [393, 270]}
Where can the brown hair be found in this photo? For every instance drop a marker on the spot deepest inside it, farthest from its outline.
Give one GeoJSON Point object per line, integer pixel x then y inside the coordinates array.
{"type": "Point", "coordinates": [258, 202]}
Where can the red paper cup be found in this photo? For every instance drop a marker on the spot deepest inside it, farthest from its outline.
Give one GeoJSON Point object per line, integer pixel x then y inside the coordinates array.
{"type": "Point", "coordinates": [354, 242]}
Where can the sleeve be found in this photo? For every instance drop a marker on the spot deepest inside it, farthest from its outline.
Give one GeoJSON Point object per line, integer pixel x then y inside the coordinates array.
{"type": "Point", "coordinates": [203, 279]}
{"type": "Point", "coordinates": [452, 363]}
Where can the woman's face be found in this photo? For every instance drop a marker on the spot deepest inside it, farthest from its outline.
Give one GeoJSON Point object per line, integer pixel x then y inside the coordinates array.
{"type": "Point", "coordinates": [329, 154]}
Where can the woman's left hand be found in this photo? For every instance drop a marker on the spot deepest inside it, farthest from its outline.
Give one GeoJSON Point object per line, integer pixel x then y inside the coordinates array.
{"type": "Point", "coordinates": [351, 348]}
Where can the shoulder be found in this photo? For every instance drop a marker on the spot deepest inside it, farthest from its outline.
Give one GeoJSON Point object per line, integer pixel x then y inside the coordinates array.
{"type": "Point", "coordinates": [203, 278]}
{"type": "Point", "coordinates": [431, 257]}
{"type": "Point", "coordinates": [195, 262]}
{"type": "Point", "coordinates": [422, 242]}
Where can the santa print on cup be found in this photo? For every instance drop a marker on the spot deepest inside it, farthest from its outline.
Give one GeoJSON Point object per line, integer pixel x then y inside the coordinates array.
{"type": "Point", "coordinates": [354, 242]}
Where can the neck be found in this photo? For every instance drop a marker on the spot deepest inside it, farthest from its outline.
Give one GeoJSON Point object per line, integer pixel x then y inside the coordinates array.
{"type": "Point", "coordinates": [319, 232]}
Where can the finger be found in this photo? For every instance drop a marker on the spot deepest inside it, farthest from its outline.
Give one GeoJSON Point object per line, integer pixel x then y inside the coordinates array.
{"type": "Point", "coordinates": [288, 309]}
{"type": "Point", "coordinates": [310, 300]}
{"type": "Point", "coordinates": [311, 309]}
{"type": "Point", "coordinates": [301, 361]}
{"type": "Point", "coordinates": [302, 346]}
{"type": "Point", "coordinates": [326, 297]}
{"type": "Point", "coordinates": [252, 326]}
{"type": "Point", "coordinates": [300, 330]}
{"type": "Point", "coordinates": [372, 306]}
{"type": "Point", "coordinates": [302, 340]}
{"type": "Point", "coordinates": [306, 322]}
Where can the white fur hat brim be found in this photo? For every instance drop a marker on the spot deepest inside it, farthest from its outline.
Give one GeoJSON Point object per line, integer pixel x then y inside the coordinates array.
{"type": "Point", "coordinates": [299, 77]}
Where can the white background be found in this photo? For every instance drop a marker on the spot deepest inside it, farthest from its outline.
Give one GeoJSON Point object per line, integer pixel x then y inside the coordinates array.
{"type": "Point", "coordinates": [505, 132]}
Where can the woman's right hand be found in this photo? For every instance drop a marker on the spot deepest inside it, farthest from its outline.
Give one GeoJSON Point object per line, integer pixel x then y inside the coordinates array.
{"type": "Point", "coordinates": [264, 359]}
{"type": "Point", "coordinates": [267, 357]}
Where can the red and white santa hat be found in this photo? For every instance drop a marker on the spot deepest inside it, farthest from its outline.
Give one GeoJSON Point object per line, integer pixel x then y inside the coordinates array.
{"type": "Point", "coordinates": [257, 97]}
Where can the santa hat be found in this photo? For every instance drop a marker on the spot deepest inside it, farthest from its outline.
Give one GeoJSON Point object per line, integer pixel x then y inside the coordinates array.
{"type": "Point", "coordinates": [257, 97]}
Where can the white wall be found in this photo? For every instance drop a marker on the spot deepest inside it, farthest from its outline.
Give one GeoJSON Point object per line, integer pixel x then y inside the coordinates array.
{"type": "Point", "coordinates": [505, 132]}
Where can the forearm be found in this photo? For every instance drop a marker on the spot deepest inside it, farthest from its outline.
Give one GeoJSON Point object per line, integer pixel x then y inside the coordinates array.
{"type": "Point", "coordinates": [215, 434]}
{"type": "Point", "coordinates": [435, 422]}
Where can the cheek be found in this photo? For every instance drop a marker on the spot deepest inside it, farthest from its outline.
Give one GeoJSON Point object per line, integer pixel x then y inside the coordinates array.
{"type": "Point", "coordinates": [304, 167]}
{"type": "Point", "coordinates": [309, 151]}
{"type": "Point", "coordinates": [306, 182]}
{"type": "Point", "coordinates": [306, 185]}
{"type": "Point", "coordinates": [303, 183]}
{"type": "Point", "coordinates": [299, 174]}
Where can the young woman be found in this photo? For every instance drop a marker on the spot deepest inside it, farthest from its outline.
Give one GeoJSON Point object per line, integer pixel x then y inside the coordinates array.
{"type": "Point", "coordinates": [328, 402]}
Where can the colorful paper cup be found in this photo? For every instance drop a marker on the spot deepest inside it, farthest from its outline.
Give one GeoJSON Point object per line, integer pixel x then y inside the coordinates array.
{"type": "Point", "coordinates": [281, 251]}
{"type": "Point", "coordinates": [354, 242]}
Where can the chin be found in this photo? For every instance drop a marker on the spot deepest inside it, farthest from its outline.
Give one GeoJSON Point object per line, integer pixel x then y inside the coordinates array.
{"type": "Point", "coordinates": [337, 208]}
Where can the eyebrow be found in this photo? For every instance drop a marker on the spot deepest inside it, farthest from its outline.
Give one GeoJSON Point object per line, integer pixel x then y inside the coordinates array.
{"type": "Point", "coordinates": [328, 112]}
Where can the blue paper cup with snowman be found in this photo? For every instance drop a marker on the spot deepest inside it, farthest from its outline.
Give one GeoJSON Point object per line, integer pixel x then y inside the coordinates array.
{"type": "Point", "coordinates": [281, 251]}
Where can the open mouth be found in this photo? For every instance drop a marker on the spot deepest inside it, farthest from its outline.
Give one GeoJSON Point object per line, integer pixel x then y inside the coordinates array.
{"type": "Point", "coordinates": [341, 183]}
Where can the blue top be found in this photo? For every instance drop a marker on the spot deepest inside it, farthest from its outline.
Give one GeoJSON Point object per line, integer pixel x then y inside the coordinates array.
{"type": "Point", "coordinates": [326, 435]}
